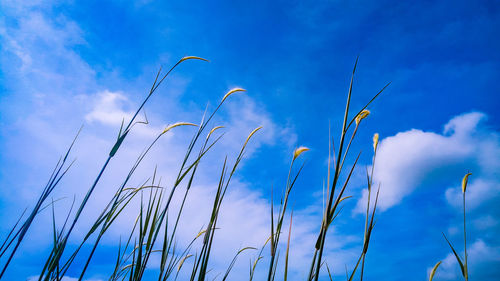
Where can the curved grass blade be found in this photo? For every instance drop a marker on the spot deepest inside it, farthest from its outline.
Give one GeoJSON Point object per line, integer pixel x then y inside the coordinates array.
{"type": "Point", "coordinates": [456, 256]}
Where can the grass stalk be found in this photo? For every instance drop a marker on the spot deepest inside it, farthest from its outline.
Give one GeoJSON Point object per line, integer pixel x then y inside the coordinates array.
{"type": "Point", "coordinates": [463, 264]}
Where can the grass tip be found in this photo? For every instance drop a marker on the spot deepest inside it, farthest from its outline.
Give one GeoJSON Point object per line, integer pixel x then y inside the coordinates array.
{"type": "Point", "coordinates": [375, 141]}
{"type": "Point", "coordinates": [213, 130]}
{"type": "Point", "coordinates": [251, 134]}
{"type": "Point", "coordinates": [362, 115]}
{"type": "Point", "coordinates": [169, 127]}
{"type": "Point", "coordinates": [464, 181]}
{"type": "Point", "coordinates": [232, 91]}
{"type": "Point", "coordinates": [433, 271]}
{"type": "Point", "coordinates": [192, 58]}
{"type": "Point", "coordinates": [299, 151]}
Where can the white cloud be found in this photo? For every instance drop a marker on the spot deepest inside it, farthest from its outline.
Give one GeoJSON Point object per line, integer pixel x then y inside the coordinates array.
{"type": "Point", "coordinates": [113, 108]}
{"type": "Point", "coordinates": [405, 161]}
{"type": "Point", "coordinates": [108, 109]}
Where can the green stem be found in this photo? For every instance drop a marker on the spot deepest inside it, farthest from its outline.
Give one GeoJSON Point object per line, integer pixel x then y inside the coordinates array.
{"type": "Point", "coordinates": [465, 244]}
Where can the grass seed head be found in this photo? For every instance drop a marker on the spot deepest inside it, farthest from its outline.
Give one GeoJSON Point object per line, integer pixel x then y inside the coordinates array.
{"type": "Point", "coordinates": [251, 134]}
{"type": "Point", "coordinates": [299, 151]}
{"type": "Point", "coordinates": [169, 127]}
{"type": "Point", "coordinates": [191, 58]}
{"type": "Point", "coordinates": [232, 91]}
{"type": "Point", "coordinates": [464, 181]}
{"type": "Point", "coordinates": [375, 141]}
{"type": "Point", "coordinates": [433, 272]}
{"type": "Point", "coordinates": [362, 115]}
{"type": "Point", "coordinates": [182, 262]}
{"type": "Point", "coordinates": [213, 130]}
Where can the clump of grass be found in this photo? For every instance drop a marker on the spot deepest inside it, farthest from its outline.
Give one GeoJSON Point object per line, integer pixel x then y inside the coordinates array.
{"type": "Point", "coordinates": [333, 200]}
{"type": "Point", "coordinates": [152, 231]}
{"type": "Point", "coordinates": [52, 264]}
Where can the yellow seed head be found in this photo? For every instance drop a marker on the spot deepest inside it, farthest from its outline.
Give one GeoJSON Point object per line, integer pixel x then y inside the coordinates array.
{"type": "Point", "coordinates": [299, 151]}
{"type": "Point", "coordinates": [464, 182]}
{"type": "Point", "coordinates": [169, 127]}
{"type": "Point", "coordinates": [251, 134]}
{"type": "Point", "coordinates": [182, 262]}
{"type": "Point", "coordinates": [200, 234]}
{"type": "Point", "coordinates": [434, 271]}
{"type": "Point", "coordinates": [232, 91]}
{"type": "Point", "coordinates": [344, 198]}
{"type": "Point", "coordinates": [362, 115]}
{"type": "Point", "coordinates": [191, 58]}
{"type": "Point", "coordinates": [213, 130]}
{"type": "Point", "coordinates": [375, 141]}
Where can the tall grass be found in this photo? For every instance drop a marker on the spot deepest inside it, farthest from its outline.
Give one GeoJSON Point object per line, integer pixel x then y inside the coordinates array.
{"type": "Point", "coordinates": [333, 199]}
{"type": "Point", "coordinates": [462, 262]}
{"type": "Point", "coordinates": [155, 229]}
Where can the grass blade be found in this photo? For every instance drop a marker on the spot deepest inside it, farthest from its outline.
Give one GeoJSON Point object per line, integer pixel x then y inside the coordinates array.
{"type": "Point", "coordinates": [456, 256]}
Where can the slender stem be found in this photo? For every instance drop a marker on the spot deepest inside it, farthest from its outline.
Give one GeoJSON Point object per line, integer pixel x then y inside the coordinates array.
{"type": "Point", "coordinates": [465, 243]}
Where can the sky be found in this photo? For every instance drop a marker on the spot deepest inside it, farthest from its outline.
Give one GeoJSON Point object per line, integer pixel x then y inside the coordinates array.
{"type": "Point", "coordinates": [64, 64]}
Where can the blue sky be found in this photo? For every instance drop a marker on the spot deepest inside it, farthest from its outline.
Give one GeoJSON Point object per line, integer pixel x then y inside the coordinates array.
{"type": "Point", "coordinates": [64, 64]}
